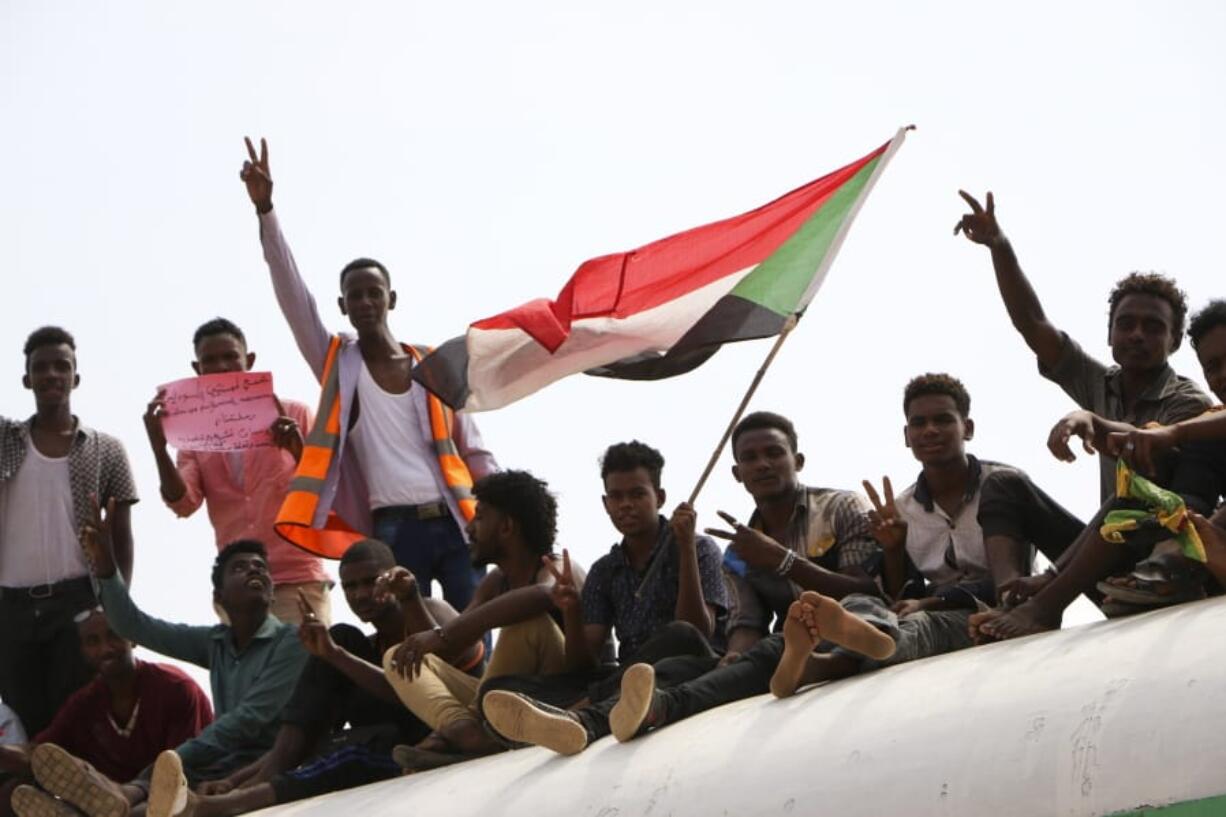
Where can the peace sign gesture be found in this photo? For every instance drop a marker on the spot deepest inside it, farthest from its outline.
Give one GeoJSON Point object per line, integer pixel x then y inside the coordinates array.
{"type": "Point", "coordinates": [564, 593]}
{"type": "Point", "coordinates": [886, 524]}
{"type": "Point", "coordinates": [258, 178]}
{"type": "Point", "coordinates": [979, 225]}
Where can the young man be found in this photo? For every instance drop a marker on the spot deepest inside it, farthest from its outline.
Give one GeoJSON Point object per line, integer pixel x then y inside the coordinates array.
{"type": "Point", "coordinates": [253, 662]}
{"type": "Point", "coordinates": [244, 489]}
{"type": "Point", "coordinates": [1199, 473]}
{"type": "Point", "coordinates": [386, 458]}
{"type": "Point", "coordinates": [660, 590]}
{"type": "Point", "coordinates": [50, 466]}
{"type": "Point", "coordinates": [513, 529]}
{"type": "Point", "coordinates": [1144, 327]}
{"type": "Point", "coordinates": [342, 685]}
{"type": "Point", "coordinates": [124, 718]}
{"type": "Point", "coordinates": [798, 539]}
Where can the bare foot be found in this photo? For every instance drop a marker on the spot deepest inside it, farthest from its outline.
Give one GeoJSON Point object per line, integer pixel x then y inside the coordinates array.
{"type": "Point", "coordinates": [1025, 619]}
{"type": "Point", "coordinates": [800, 637]}
{"type": "Point", "coordinates": [847, 629]}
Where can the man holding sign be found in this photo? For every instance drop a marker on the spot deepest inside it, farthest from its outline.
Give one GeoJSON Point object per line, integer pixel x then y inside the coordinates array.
{"type": "Point", "coordinates": [241, 471]}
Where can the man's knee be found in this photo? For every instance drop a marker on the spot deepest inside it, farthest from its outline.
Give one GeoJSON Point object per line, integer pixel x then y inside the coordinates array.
{"type": "Point", "coordinates": [682, 638]}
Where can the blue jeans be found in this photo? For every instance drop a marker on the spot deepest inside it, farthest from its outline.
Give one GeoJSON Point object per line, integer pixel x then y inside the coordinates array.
{"type": "Point", "coordinates": [431, 549]}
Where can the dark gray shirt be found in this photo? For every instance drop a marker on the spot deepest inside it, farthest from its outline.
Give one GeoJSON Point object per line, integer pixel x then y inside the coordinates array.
{"type": "Point", "coordinates": [1096, 387]}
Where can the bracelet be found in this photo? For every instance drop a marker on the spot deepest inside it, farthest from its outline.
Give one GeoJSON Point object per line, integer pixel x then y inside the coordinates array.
{"type": "Point", "coordinates": [442, 636]}
{"type": "Point", "coordinates": [785, 565]}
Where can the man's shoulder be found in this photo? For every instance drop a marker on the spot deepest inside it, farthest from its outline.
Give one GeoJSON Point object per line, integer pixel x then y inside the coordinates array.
{"type": "Point", "coordinates": [831, 498]}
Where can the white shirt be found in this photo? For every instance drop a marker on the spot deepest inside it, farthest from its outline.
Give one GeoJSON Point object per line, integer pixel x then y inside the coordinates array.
{"type": "Point", "coordinates": [396, 461]}
{"type": "Point", "coordinates": [38, 541]}
{"type": "Point", "coordinates": [11, 733]}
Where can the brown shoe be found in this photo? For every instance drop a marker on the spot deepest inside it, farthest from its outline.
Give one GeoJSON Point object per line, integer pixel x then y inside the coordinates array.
{"type": "Point", "coordinates": [519, 718]}
{"type": "Point", "coordinates": [169, 795]}
{"type": "Point", "coordinates": [28, 801]}
{"type": "Point", "coordinates": [76, 782]}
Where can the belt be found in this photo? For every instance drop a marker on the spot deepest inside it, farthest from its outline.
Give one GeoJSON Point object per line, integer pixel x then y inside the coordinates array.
{"type": "Point", "coordinates": [426, 510]}
{"type": "Point", "coordinates": [40, 592]}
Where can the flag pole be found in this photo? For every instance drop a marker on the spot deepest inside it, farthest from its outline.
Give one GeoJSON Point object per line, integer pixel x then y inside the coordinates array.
{"type": "Point", "coordinates": [788, 326]}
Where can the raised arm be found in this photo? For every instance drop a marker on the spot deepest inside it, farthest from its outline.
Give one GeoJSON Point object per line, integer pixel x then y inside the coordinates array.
{"type": "Point", "coordinates": [691, 606]}
{"type": "Point", "coordinates": [472, 448]}
{"type": "Point", "coordinates": [1025, 311]}
{"type": "Point", "coordinates": [295, 300]}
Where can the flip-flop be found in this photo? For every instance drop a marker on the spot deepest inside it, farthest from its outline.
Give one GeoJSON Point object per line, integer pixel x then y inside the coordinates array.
{"type": "Point", "coordinates": [1113, 608]}
{"type": "Point", "coordinates": [1159, 581]}
{"type": "Point", "coordinates": [412, 759]}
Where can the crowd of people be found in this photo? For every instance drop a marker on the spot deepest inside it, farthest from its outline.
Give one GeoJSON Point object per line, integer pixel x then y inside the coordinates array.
{"type": "Point", "coordinates": [817, 584]}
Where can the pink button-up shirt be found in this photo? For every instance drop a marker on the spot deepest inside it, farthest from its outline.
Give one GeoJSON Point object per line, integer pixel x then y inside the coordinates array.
{"type": "Point", "coordinates": [247, 509]}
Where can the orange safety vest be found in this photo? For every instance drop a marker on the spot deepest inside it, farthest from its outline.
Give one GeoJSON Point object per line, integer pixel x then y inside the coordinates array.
{"type": "Point", "coordinates": [295, 521]}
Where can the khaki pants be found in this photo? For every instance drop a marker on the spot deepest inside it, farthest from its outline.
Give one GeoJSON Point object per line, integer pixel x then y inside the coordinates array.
{"type": "Point", "coordinates": [443, 694]}
{"type": "Point", "coordinates": [285, 602]}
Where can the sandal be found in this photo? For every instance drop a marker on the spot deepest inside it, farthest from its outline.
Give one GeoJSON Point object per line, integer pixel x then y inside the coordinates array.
{"type": "Point", "coordinates": [1158, 581]}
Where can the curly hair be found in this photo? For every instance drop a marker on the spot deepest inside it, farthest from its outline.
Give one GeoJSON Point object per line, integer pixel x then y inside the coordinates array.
{"type": "Point", "coordinates": [937, 383]}
{"type": "Point", "coordinates": [525, 499]}
{"type": "Point", "coordinates": [235, 548]}
{"type": "Point", "coordinates": [757, 420]}
{"type": "Point", "coordinates": [1211, 317]}
{"type": "Point", "coordinates": [48, 336]}
{"type": "Point", "coordinates": [1157, 286]}
{"type": "Point", "coordinates": [621, 457]}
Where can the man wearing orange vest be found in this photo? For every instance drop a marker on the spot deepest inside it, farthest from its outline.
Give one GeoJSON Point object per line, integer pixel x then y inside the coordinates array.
{"type": "Point", "coordinates": [385, 458]}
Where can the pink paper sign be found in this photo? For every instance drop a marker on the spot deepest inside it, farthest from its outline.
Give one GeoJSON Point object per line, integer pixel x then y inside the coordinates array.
{"type": "Point", "coordinates": [219, 412]}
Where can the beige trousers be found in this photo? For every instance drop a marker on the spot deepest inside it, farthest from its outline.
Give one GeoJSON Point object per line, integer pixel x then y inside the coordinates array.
{"type": "Point", "coordinates": [443, 694]}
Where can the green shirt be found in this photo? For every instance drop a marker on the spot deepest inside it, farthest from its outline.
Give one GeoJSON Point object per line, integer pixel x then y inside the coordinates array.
{"type": "Point", "coordinates": [250, 688]}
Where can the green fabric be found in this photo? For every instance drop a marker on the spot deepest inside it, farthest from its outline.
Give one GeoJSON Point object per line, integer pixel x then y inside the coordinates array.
{"type": "Point", "coordinates": [1209, 807]}
{"type": "Point", "coordinates": [1162, 507]}
{"type": "Point", "coordinates": [780, 281]}
{"type": "Point", "coordinates": [250, 688]}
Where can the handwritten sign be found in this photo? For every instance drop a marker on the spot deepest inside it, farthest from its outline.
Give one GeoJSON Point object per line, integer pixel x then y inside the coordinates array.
{"type": "Point", "coordinates": [219, 412]}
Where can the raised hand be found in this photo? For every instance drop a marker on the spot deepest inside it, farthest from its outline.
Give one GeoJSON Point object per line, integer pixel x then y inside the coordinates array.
{"type": "Point", "coordinates": [153, 419]}
{"type": "Point", "coordinates": [258, 178]}
{"type": "Point", "coordinates": [683, 524]}
{"type": "Point", "coordinates": [885, 522]}
{"type": "Point", "coordinates": [96, 539]}
{"type": "Point", "coordinates": [564, 593]}
{"type": "Point", "coordinates": [754, 547]}
{"type": "Point", "coordinates": [313, 633]}
{"type": "Point", "coordinates": [979, 225]}
{"type": "Point", "coordinates": [398, 582]}
{"type": "Point", "coordinates": [1079, 423]}
{"type": "Point", "coordinates": [1142, 447]}
{"type": "Point", "coordinates": [286, 433]}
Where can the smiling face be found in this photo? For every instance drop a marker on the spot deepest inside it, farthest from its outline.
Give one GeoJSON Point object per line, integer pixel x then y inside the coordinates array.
{"type": "Point", "coordinates": [366, 299]}
{"type": "Point", "coordinates": [220, 353]}
{"type": "Point", "coordinates": [632, 501]}
{"type": "Point", "coordinates": [936, 432]}
{"type": "Point", "coordinates": [51, 373]}
{"type": "Point", "coordinates": [1142, 333]}
{"type": "Point", "coordinates": [245, 581]}
{"type": "Point", "coordinates": [766, 464]}
{"type": "Point", "coordinates": [1211, 351]}
{"type": "Point", "coordinates": [104, 651]}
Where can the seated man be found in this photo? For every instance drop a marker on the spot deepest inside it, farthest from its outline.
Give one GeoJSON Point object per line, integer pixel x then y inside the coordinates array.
{"type": "Point", "coordinates": [513, 529]}
{"type": "Point", "coordinates": [1198, 473]}
{"type": "Point", "coordinates": [798, 539]}
{"type": "Point", "coordinates": [122, 719]}
{"type": "Point", "coordinates": [253, 663]}
{"type": "Point", "coordinates": [341, 685]}
{"type": "Point", "coordinates": [660, 589]}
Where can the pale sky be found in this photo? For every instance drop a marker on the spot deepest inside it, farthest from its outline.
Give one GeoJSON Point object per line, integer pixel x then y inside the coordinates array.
{"type": "Point", "coordinates": [483, 151]}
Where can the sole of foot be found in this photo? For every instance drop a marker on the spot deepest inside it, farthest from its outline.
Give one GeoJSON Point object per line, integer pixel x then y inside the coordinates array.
{"type": "Point", "coordinates": [28, 801]}
{"type": "Point", "coordinates": [634, 705]}
{"type": "Point", "coordinates": [798, 645]}
{"type": "Point", "coordinates": [519, 719]}
{"type": "Point", "coordinates": [847, 629]}
{"type": "Point", "coordinates": [412, 759]}
{"type": "Point", "coordinates": [76, 782]}
{"type": "Point", "coordinates": [168, 793]}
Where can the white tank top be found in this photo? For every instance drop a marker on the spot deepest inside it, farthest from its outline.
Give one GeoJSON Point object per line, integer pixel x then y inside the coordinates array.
{"type": "Point", "coordinates": [38, 540]}
{"type": "Point", "coordinates": [397, 462]}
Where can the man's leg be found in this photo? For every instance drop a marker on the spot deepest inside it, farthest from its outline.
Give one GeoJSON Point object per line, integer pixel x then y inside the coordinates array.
{"type": "Point", "coordinates": [409, 539]}
{"type": "Point", "coordinates": [533, 647]}
{"type": "Point", "coordinates": [453, 563]}
{"type": "Point", "coordinates": [285, 601]}
{"type": "Point", "coordinates": [443, 698]}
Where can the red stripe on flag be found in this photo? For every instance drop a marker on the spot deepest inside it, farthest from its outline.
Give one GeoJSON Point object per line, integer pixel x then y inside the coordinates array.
{"type": "Point", "coordinates": [627, 283]}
